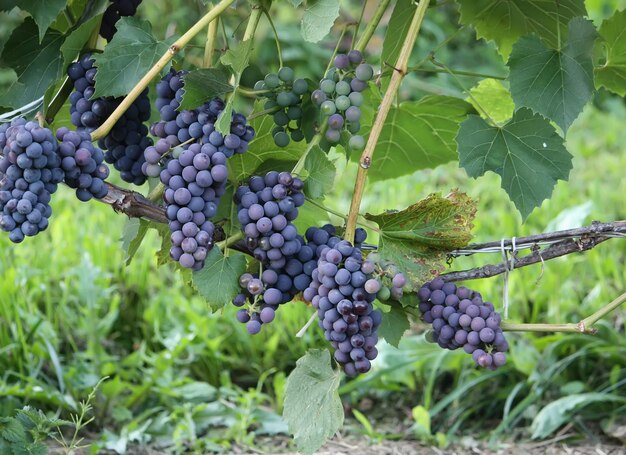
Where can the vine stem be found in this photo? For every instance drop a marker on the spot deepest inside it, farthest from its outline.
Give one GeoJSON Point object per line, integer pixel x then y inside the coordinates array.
{"type": "Point", "coordinates": [276, 39]}
{"type": "Point", "coordinates": [159, 65]}
{"type": "Point", "coordinates": [364, 222]}
{"type": "Point", "coordinates": [373, 24]}
{"type": "Point", "coordinates": [394, 84]}
{"type": "Point", "coordinates": [584, 326]}
{"type": "Point", "coordinates": [229, 241]}
{"type": "Point", "coordinates": [297, 169]}
{"type": "Point", "coordinates": [209, 46]}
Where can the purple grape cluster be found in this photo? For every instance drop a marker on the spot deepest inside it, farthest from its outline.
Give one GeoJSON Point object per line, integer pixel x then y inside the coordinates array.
{"type": "Point", "coordinates": [294, 277]}
{"type": "Point", "coordinates": [194, 183]}
{"type": "Point", "coordinates": [190, 126]}
{"type": "Point", "coordinates": [284, 95]}
{"type": "Point", "coordinates": [83, 164]}
{"type": "Point", "coordinates": [261, 296]}
{"type": "Point", "coordinates": [339, 97]}
{"type": "Point", "coordinates": [460, 318]}
{"type": "Point", "coordinates": [339, 292]}
{"type": "Point", "coordinates": [30, 171]}
{"type": "Point", "coordinates": [84, 112]}
{"type": "Point", "coordinates": [266, 208]}
{"type": "Point", "coordinates": [117, 9]}
{"type": "Point", "coordinates": [127, 140]}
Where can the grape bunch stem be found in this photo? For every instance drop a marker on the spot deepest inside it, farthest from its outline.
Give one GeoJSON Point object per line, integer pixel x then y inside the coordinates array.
{"type": "Point", "coordinates": [394, 84]}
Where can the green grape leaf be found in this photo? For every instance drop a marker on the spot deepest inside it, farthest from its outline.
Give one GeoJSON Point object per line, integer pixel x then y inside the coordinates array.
{"type": "Point", "coordinates": [393, 325]}
{"type": "Point", "coordinates": [135, 231]}
{"type": "Point", "coordinates": [218, 281]}
{"type": "Point", "coordinates": [555, 83]}
{"type": "Point", "coordinates": [36, 64]}
{"type": "Point", "coordinates": [612, 74]}
{"type": "Point", "coordinates": [296, 3]}
{"type": "Point", "coordinates": [202, 85]}
{"type": "Point", "coordinates": [43, 11]}
{"type": "Point", "coordinates": [237, 58]}
{"type": "Point", "coordinates": [418, 238]}
{"type": "Point", "coordinates": [313, 409]}
{"type": "Point", "coordinates": [398, 28]}
{"type": "Point", "coordinates": [417, 135]}
{"type": "Point", "coordinates": [321, 173]}
{"type": "Point", "coordinates": [319, 17]}
{"type": "Point", "coordinates": [527, 153]}
{"type": "Point", "coordinates": [11, 430]}
{"type": "Point", "coordinates": [493, 97]}
{"type": "Point", "coordinates": [130, 54]}
{"type": "Point", "coordinates": [504, 21]}
{"type": "Point", "coordinates": [76, 40]}
{"type": "Point", "coordinates": [262, 151]}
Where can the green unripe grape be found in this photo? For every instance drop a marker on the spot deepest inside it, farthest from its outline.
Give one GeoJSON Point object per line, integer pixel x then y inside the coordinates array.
{"type": "Point", "coordinates": [176, 152]}
{"type": "Point", "coordinates": [281, 139]}
{"type": "Point", "coordinates": [364, 72]}
{"type": "Point", "coordinates": [283, 99]}
{"type": "Point", "coordinates": [293, 99]}
{"type": "Point", "coordinates": [354, 127]}
{"type": "Point", "coordinates": [269, 104]}
{"type": "Point", "coordinates": [342, 102]}
{"type": "Point", "coordinates": [294, 113]}
{"type": "Point", "coordinates": [300, 87]}
{"type": "Point", "coordinates": [281, 119]}
{"type": "Point", "coordinates": [383, 294]}
{"type": "Point", "coordinates": [272, 81]}
{"type": "Point", "coordinates": [297, 135]}
{"type": "Point", "coordinates": [260, 85]}
{"type": "Point", "coordinates": [277, 129]}
{"type": "Point", "coordinates": [333, 136]}
{"type": "Point", "coordinates": [356, 99]}
{"type": "Point", "coordinates": [356, 143]}
{"type": "Point", "coordinates": [332, 74]}
{"type": "Point", "coordinates": [328, 108]}
{"type": "Point", "coordinates": [327, 86]}
{"type": "Point", "coordinates": [342, 88]}
{"type": "Point", "coordinates": [285, 74]}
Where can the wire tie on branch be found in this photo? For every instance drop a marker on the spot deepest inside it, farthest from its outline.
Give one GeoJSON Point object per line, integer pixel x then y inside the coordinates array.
{"type": "Point", "coordinates": [508, 267]}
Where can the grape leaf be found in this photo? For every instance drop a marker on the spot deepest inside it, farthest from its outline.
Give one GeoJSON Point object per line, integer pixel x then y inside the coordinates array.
{"type": "Point", "coordinates": [237, 58]}
{"type": "Point", "coordinates": [418, 238]}
{"type": "Point", "coordinates": [319, 17]}
{"type": "Point", "coordinates": [612, 75]}
{"type": "Point", "coordinates": [527, 153]}
{"type": "Point", "coordinates": [504, 21]}
{"type": "Point", "coordinates": [37, 64]}
{"type": "Point", "coordinates": [202, 85]}
{"type": "Point", "coordinates": [393, 324]}
{"type": "Point", "coordinates": [218, 281]}
{"type": "Point", "coordinates": [398, 28]}
{"type": "Point", "coordinates": [135, 231]}
{"type": "Point", "coordinates": [417, 135]}
{"type": "Point", "coordinates": [321, 173]}
{"type": "Point", "coordinates": [494, 98]}
{"type": "Point", "coordinates": [127, 57]}
{"type": "Point", "coordinates": [554, 83]}
{"type": "Point", "coordinates": [43, 11]}
{"type": "Point", "coordinates": [296, 3]}
{"type": "Point", "coordinates": [262, 149]}
{"type": "Point", "coordinates": [313, 409]}
{"type": "Point", "coordinates": [77, 39]}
